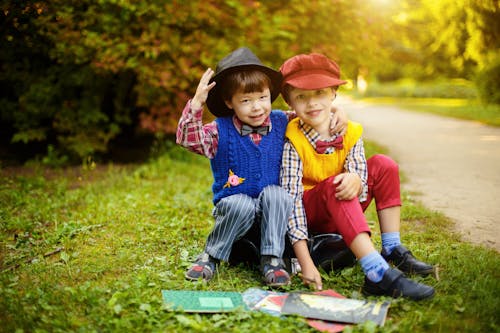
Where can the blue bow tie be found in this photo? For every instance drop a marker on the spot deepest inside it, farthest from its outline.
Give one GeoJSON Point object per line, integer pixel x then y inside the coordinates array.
{"type": "Point", "coordinates": [247, 129]}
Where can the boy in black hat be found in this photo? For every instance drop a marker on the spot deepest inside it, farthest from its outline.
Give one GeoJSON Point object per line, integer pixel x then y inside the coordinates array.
{"type": "Point", "coordinates": [245, 145]}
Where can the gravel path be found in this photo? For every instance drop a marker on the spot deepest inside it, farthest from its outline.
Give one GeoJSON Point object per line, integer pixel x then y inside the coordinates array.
{"type": "Point", "coordinates": [453, 165]}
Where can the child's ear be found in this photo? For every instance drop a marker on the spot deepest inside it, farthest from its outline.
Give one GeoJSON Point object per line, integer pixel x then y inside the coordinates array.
{"type": "Point", "coordinates": [229, 104]}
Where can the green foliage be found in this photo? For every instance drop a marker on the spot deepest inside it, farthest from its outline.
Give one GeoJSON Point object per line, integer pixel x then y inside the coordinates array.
{"type": "Point", "coordinates": [78, 75]}
{"type": "Point", "coordinates": [488, 83]}
{"type": "Point", "coordinates": [90, 250]}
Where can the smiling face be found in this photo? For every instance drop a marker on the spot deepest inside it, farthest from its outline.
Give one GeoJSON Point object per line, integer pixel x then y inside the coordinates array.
{"type": "Point", "coordinates": [252, 108]}
{"type": "Point", "coordinates": [248, 94]}
{"type": "Point", "coordinates": [312, 106]}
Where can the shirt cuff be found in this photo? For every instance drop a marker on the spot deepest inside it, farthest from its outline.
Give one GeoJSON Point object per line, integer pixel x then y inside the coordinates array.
{"type": "Point", "coordinates": [196, 115]}
{"type": "Point", "coordinates": [364, 193]}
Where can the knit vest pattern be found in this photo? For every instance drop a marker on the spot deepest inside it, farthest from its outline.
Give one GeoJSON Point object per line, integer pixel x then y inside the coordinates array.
{"type": "Point", "coordinates": [259, 165]}
{"type": "Point", "coordinates": [318, 167]}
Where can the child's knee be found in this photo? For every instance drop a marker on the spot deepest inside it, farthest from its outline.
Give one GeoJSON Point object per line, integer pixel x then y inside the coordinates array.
{"type": "Point", "coordinates": [238, 204]}
{"type": "Point", "coordinates": [274, 194]}
{"type": "Point", "coordinates": [383, 162]}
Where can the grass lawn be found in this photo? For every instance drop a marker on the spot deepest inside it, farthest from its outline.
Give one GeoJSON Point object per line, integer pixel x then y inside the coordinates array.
{"type": "Point", "coordinates": [90, 251]}
{"type": "Point", "coordinates": [457, 108]}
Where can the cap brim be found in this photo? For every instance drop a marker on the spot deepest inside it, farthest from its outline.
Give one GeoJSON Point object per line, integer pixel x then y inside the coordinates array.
{"type": "Point", "coordinates": [215, 102]}
{"type": "Point", "coordinates": [314, 81]}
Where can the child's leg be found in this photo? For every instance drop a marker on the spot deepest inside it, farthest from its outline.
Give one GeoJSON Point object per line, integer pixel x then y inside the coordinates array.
{"type": "Point", "coordinates": [326, 213]}
{"type": "Point", "coordinates": [274, 206]}
{"type": "Point", "coordinates": [234, 216]}
{"type": "Point", "coordinates": [274, 209]}
{"type": "Point", "coordinates": [384, 187]}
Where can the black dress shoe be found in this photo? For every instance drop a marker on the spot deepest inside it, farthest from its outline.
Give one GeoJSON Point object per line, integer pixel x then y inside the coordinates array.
{"type": "Point", "coordinates": [396, 284]}
{"type": "Point", "coordinates": [404, 260]}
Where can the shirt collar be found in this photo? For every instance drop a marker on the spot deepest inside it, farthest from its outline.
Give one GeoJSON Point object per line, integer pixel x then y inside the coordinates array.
{"type": "Point", "coordinates": [310, 133]}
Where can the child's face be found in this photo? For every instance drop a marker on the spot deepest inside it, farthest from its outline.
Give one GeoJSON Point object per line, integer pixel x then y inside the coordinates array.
{"type": "Point", "coordinates": [312, 106]}
{"type": "Point", "coordinates": [251, 108]}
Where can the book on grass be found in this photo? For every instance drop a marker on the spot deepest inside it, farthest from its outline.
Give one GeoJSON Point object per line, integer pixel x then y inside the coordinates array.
{"type": "Point", "coordinates": [271, 302]}
{"type": "Point", "coordinates": [203, 301]}
{"type": "Point", "coordinates": [342, 310]}
{"type": "Point", "coordinates": [325, 310]}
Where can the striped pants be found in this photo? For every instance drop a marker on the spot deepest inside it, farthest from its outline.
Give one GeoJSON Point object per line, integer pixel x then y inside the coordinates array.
{"type": "Point", "coordinates": [236, 214]}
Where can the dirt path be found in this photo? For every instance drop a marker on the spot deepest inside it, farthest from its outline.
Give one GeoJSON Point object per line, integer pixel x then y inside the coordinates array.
{"type": "Point", "coordinates": [454, 165]}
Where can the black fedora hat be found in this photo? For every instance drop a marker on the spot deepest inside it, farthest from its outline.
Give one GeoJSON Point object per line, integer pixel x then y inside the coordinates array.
{"type": "Point", "coordinates": [240, 59]}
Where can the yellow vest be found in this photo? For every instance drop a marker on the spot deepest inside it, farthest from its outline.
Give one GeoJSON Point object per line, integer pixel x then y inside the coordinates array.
{"type": "Point", "coordinates": [318, 167]}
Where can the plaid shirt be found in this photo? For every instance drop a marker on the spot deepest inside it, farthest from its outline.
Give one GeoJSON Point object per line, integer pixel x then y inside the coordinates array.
{"type": "Point", "coordinates": [292, 172]}
{"type": "Point", "coordinates": [204, 139]}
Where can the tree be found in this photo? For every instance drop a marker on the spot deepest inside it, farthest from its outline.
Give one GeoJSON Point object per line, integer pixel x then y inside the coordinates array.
{"type": "Point", "coordinates": [78, 74]}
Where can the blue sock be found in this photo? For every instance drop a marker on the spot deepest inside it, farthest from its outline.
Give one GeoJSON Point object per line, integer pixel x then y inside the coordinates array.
{"type": "Point", "coordinates": [390, 240]}
{"type": "Point", "coordinates": [374, 266]}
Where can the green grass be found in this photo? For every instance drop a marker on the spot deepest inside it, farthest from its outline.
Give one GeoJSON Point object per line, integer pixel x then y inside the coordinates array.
{"type": "Point", "coordinates": [90, 251]}
{"type": "Point", "coordinates": [456, 108]}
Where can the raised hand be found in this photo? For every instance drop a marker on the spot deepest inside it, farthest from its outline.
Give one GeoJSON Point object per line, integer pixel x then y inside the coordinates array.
{"type": "Point", "coordinates": [202, 90]}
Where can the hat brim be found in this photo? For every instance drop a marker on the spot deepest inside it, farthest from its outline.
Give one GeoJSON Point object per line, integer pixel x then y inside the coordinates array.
{"type": "Point", "coordinates": [314, 81]}
{"type": "Point", "coordinates": [215, 102]}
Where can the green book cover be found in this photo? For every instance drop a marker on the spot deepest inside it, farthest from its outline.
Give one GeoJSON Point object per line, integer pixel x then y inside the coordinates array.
{"type": "Point", "coordinates": [203, 301]}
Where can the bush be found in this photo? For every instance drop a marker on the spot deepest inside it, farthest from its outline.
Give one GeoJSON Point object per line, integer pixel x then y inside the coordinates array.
{"type": "Point", "coordinates": [487, 82]}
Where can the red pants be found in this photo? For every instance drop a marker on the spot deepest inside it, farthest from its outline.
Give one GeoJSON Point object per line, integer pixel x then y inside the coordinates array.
{"type": "Point", "coordinates": [327, 214]}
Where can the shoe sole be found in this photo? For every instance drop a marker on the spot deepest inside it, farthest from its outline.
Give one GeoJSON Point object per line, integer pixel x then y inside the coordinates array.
{"type": "Point", "coordinates": [194, 279]}
{"type": "Point", "coordinates": [427, 295]}
{"type": "Point", "coordinates": [422, 273]}
{"type": "Point", "coordinates": [277, 285]}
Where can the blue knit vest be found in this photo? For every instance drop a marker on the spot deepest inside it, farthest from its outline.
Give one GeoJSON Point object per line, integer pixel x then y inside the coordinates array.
{"type": "Point", "coordinates": [258, 164]}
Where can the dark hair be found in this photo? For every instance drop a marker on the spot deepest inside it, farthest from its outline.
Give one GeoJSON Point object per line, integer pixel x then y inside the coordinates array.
{"type": "Point", "coordinates": [245, 81]}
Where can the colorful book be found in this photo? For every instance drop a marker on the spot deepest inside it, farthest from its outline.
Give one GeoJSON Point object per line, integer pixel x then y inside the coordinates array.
{"type": "Point", "coordinates": [341, 310]}
{"type": "Point", "coordinates": [325, 310]}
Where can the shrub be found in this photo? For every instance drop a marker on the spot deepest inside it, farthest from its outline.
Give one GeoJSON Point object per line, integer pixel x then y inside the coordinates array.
{"type": "Point", "coordinates": [487, 82]}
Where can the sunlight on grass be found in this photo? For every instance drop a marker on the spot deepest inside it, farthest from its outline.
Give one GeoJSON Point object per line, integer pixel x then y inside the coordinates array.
{"type": "Point", "coordinates": [131, 232]}
{"type": "Point", "coordinates": [418, 101]}
{"type": "Point", "coordinates": [449, 107]}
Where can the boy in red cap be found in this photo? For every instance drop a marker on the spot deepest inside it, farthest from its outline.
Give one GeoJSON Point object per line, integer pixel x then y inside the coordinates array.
{"type": "Point", "coordinates": [332, 184]}
{"type": "Point", "coordinates": [244, 145]}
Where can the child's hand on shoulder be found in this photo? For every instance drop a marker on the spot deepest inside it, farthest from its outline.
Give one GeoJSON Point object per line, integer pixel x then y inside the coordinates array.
{"type": "Point", "coordinates": [338, 122]}
{"type": "Point", "coordinates": [348, 186]}
{"type": "Point", "coordinates": [204, 87]}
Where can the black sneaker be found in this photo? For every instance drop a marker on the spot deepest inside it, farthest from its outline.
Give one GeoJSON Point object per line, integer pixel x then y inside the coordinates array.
{"type": "Point", "coordinates": [396, 284]}
{"type": "Point", "coordinates": [404, 260]}
{"type": "Point", "coordinates": [203, 268]}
